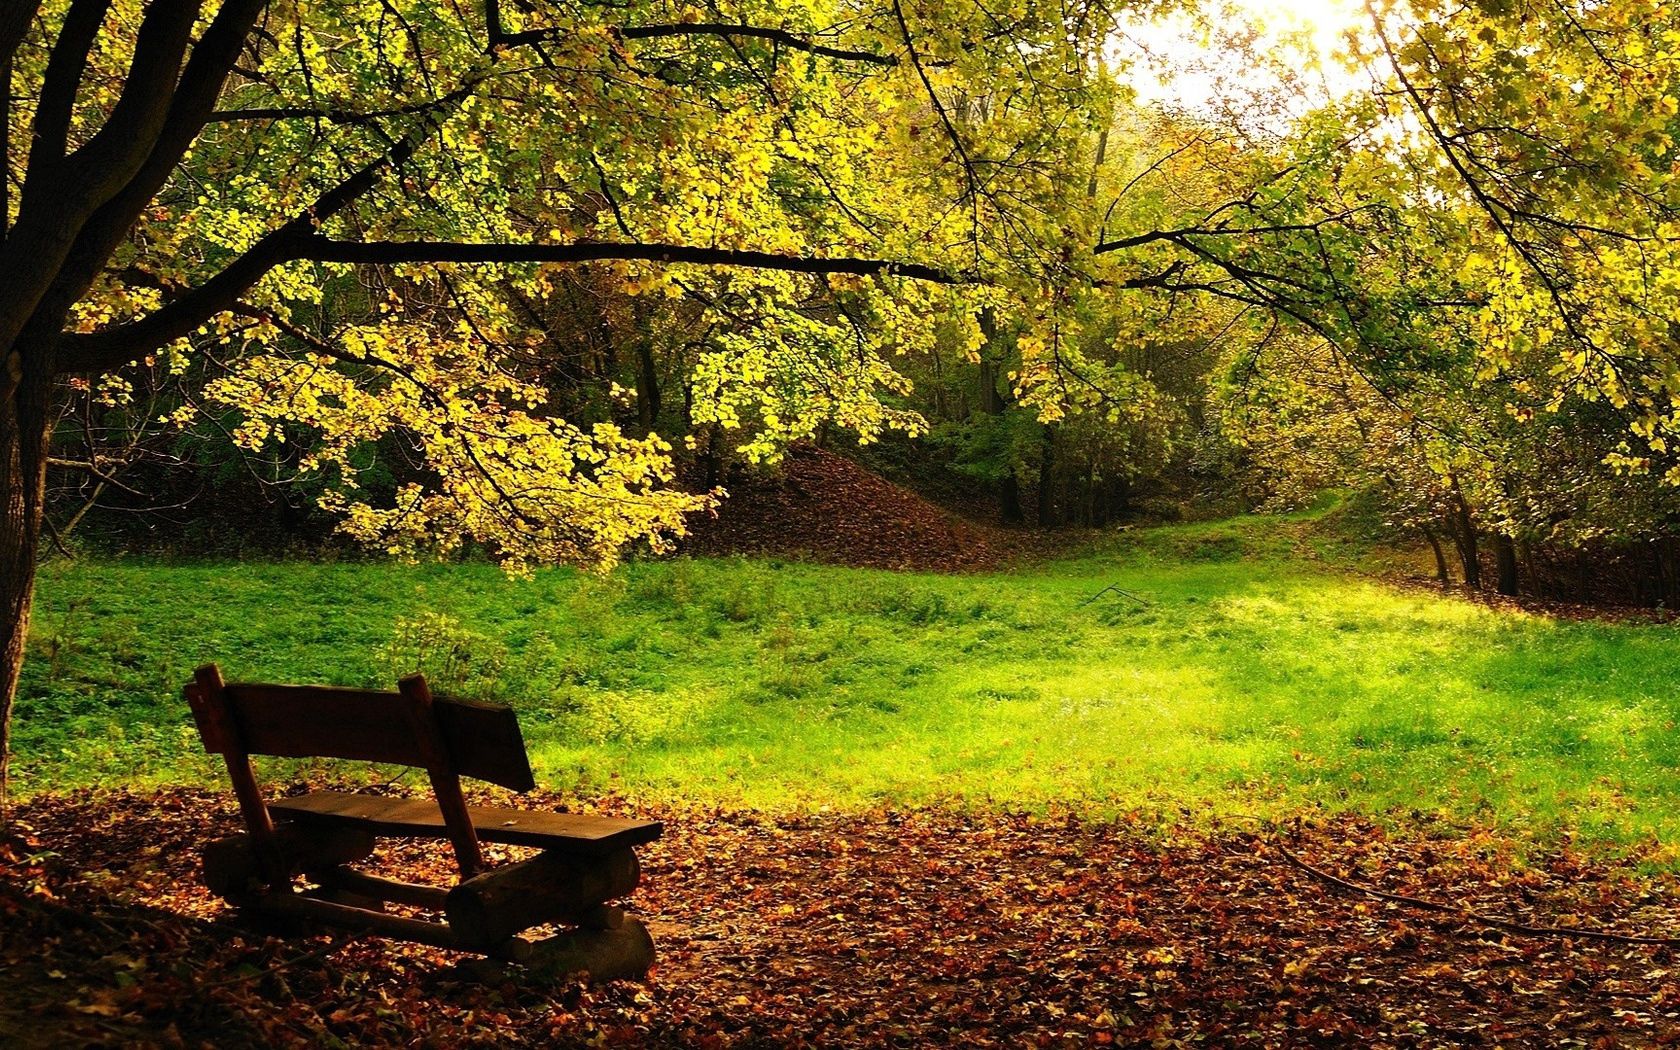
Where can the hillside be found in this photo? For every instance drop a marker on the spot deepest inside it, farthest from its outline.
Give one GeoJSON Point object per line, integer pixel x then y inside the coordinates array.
{"type": "Point", "coordinates": [824, 507]}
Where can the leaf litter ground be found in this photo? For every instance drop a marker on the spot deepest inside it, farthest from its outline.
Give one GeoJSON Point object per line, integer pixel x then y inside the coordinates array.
{"type": "Point", "coordinates": [896, 928]}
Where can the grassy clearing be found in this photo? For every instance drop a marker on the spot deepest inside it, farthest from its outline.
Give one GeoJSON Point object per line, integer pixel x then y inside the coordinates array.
{"type": "Point", "coordinates": [1254, 681]}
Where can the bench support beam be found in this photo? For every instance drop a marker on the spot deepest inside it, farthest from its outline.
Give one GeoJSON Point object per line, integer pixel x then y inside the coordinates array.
{"type": "Point", "coordinates": [234, 867]}
{"type": "Point", "coordinates": [346, 917]}
{"type": "Point", "coordinates": [625, 953]}
{"type": "Point", "coordinates": [550, 887]}
{"type": "Point", "coordinates": [360, 882]}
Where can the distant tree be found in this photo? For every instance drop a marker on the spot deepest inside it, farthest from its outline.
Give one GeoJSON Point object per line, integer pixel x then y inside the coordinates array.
{"type": "Point", "coordinates": [1499, 358]}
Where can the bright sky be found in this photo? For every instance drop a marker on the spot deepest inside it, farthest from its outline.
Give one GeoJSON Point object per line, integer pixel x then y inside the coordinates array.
{"type": "Point", "coordinates": [1325, 20]}
{"type": "Point", "coordinates": [1184, 68]}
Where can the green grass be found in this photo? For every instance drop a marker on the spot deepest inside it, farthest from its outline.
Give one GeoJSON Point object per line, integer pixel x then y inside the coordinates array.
{"type": "Point", "coordinates": [1255, 680]}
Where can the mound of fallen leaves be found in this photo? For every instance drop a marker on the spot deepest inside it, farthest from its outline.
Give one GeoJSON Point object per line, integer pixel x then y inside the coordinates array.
{"type": "Point", "coordinates": [895, 928]}
{"type": "Point", "coordinates": [823, 506]}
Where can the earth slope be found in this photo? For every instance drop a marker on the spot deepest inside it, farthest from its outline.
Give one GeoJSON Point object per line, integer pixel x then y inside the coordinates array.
{"type": "Point", "coordinates": [825, 507]}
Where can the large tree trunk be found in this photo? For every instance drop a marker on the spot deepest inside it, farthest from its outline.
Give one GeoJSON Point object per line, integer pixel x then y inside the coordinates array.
{"type": "Point", "coordinates": [1505, 562]}
{"type": "Point", "coordinates": [1047, 477]}
{"type": "Point", "coordinates": [1009, 499]}
{"type": "Point", "coordinates": [24, 415]}
{"type": "Point", "coordinates": [1667, 590]}
{"type": "Point", "coordinates": [648, 404]}
{"type": "Point", "coordinates": [1442, 574]}
{"type": "Point", "coordinates": [1463, 525]}
{"type": "Point", "coordinates": [992, 403]}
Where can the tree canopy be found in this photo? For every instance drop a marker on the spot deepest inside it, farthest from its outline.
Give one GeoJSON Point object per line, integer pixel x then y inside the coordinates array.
{"type": "Point", "coordinates": [451, 263]}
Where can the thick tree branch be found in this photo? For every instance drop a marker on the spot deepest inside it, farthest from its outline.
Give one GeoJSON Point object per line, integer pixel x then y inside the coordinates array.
{"type": "Point", "coordinates": [14, 26]}
{"type": "Point", "coordinates": [121, 145]}
{"type": "Point", "coordinates": [194, 99]}
{"type": "Point", "coordinates": [1181, 236]}
{"type": "Point", "coordinates": [116, 346]}
{"type": "Point", "coordinates": [94, 470]}
{"type": "Point", "coordinates": [500, 38]}
{"type": "Point", "coordinates": [60, 193]}
{"type": "Point", "coordinates": [325, 249]}
{"type": "Point", "coordinates": [328, 114]}
{"type": "Point", "coordinates": [15, 17]}
{"type": "Point", "coordinates": [783, 37]}
{"type": "Point", "coordinates": [62, 77]}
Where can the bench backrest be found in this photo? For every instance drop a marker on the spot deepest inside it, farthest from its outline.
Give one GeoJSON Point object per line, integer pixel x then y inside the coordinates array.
{"type": "Point", "coordinates": [482, 741]}
{"type": "Point", "coordinates": [447, 738]}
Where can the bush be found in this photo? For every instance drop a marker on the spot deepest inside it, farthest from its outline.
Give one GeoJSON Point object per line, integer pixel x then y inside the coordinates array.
{"type": "Point", "coordinates": [455, 660]}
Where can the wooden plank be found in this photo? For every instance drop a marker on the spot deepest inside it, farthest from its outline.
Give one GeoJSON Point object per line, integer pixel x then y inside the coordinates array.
{"type": "Point", "coordinates": [484, 743]}
{"type": "Point", "coordinates": [360, 882]}
{"type": "Point", "coordinates": [550, 887]}
{"type": "Point", "coordinates": [437, 934]}
{"type": "Point", "coordinates": [218, 723]}
{"type": "Point", "coordinates": [446, 785]}
{"type": "Point", "coordinates": [211, 729]}
{"type": "Point", "coordinates": [367, 725]}
{"type": "Point", "coordinates": [577, 833]}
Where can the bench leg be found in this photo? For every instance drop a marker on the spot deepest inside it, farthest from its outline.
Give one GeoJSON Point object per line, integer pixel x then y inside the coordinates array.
{"type": "Point", "coordinates": [624, 953]}
{"type": "Point", "coordinates": [231, 870]}
{"type": "Point", "coordinates": [550, 887]}
{"type": "Point", "coordinates": [348, 898]}
{"type": "Point", "coordinates": [600, 917]}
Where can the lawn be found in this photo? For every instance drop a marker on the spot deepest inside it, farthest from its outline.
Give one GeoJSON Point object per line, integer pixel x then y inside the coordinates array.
{"type": "Point", "coordinates": [1233, 670]}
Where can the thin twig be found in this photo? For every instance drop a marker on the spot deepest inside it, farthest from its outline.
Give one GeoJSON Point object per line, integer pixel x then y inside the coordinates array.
{"type": "Point", "coordinates": [1117, 589]}
{"type": "Point", "coordinates": [1464, 912]}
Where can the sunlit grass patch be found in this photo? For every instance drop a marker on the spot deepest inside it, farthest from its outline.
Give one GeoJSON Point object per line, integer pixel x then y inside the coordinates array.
{"type": "Point", "coordinates": [1217, 667]}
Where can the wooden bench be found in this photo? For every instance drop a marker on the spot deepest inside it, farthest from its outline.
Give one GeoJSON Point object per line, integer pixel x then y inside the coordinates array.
{"type": "Point", "coordinates": [586, 861]}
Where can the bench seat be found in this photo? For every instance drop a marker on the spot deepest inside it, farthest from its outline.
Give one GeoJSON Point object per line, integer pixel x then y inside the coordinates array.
{"type": "Point", "coordinates": [575, 833]}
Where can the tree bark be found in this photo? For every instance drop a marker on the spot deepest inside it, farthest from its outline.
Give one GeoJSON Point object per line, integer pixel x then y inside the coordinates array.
{"type": "Point", "coordinates": [1668, 573]}
{"type": "Point", "coordinates": [1047, 478]}
{"type": "Point", "coordinates": [647, 384]}
{"type": "Point", "coordinates": [24, 415]}
{"type": "Point", "coordinates": [1505, 562]}
{"type": "Point", "coordinates": [1464, 538]}
{"type": "Point", "coordinates": [992, 403]}
{"type": "Point", "coordinates": [1009, 499]}
{"type": "Point", "coordinates": [1442, 574]}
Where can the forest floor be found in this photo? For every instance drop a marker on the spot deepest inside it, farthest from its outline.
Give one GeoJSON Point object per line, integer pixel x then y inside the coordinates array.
{"type": "Point", "coordinates": [910, 927]}
{"type": "Point", "coordinates": [1050, 803]}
